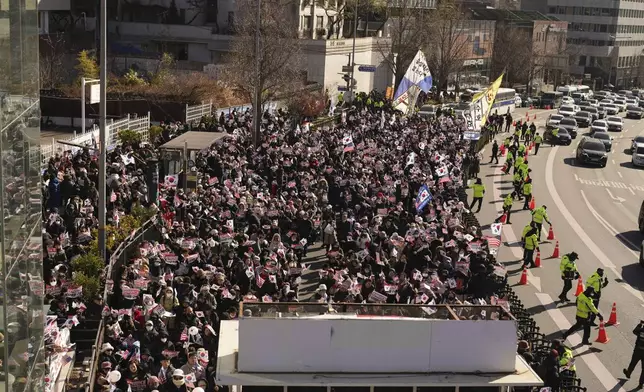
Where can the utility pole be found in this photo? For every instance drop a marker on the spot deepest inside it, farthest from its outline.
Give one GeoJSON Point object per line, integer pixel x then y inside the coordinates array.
{"type": "Point", "coordinates": [257, 112]}
{"type": "Point", "coordinates": [352, 61]}
{"type": "Point", "coordinates": [102, 174]}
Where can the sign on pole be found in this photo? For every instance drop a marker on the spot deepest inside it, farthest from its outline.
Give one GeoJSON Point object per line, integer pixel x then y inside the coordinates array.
{"type": "Point", "coordinates": [94, 93]}
{"type": "Point", "coordinates": [367, 68]}
{"type": "Point", "coordinates": [342, 88]}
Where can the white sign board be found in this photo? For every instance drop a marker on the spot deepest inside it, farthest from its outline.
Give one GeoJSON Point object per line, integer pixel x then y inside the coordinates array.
{"type": "Point", "coordinates": [94, 93]}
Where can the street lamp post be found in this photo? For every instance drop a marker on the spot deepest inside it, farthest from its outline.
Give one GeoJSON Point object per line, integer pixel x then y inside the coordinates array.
{"type": "Point", "coordinates": [102, 175]}
{"type": "Point", "coordinates": [257, 110]}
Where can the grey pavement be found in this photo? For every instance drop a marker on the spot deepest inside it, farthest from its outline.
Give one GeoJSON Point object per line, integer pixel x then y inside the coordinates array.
{"type": "Point", "coordinates": [594, 213]}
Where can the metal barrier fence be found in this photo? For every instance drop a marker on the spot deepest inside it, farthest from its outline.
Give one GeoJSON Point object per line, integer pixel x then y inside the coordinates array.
{"type": "Point", "coordinates": [196, 112]}
{"type": "Point", "coordinates": [125, 250]}
{"type": "Point", "coordinates": [133, 123]}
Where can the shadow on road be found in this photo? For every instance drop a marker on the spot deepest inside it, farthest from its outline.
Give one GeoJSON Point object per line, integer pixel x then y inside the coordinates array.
{"type": "Point", "coordinates": [633, 275]}
{"type": "Point", "coordinates": [628, 164]}
{"type": "Point", "coordinates": [627, 151]}
{"type": "Point", "coordinates": [632, 239]}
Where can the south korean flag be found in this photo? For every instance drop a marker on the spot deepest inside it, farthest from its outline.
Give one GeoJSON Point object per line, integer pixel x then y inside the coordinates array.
{"type": "Point", "coordinates": [411, 159]}
{"type": "Point", "coordinates": [442, 171]}
{"type": "Point", "coordinates": [424, 197]}
{"type": "Point", "coordinates": [496, 228]}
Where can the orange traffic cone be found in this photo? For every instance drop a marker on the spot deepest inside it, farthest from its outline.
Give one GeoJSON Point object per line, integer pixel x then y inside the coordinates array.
{"type": "Point", "coordinates": [580, 287]}
{"type": "Point", "coordinates": [503, 218]}
{"type": "Point", "coordinates": [514, 123]}
{"type": "Point", "coordinates": [533, 204]}
{"type": "Point", "coordinates": [551, 234]}
{"type": "Point", "coordinates": [612, 320]}
{"type": "Point", "coordinates": [534, 118]}
{"type": "Point", "coordinates": [602, 337]}
{"type": "Point", "coordinates": [524, 277]}
{"type": "Point", "coordinates": [537, 261]}
{"type": "Point", "coordinates": [555, 253]}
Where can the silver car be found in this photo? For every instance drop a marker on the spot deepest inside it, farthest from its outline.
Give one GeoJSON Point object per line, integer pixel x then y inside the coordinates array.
{"type": "Point", "coordinates": [554, 120]}
{"type": "Point", "coordinates": [610, 108]}
{"type": "Point", "coordinates": [615, 123]}
{"type": "Point", "coordinates": [638, 141]}
{"type": "Point", "coordinates": [598, 126]}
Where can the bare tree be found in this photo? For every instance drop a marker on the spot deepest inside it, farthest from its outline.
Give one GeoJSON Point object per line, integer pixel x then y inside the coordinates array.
{"type": "Point", "coordinates": [512, 54]}
{"type": "Point", "coordinates": [447, 42]}
{"type": "Point", "coordinates": [408, 29]}
{"type": "Point", "coordinates": [51, 68]}
{"type": "Point", "coordinates": [208, 7]}
{"type": "Point", "coordinates": [280, 63]}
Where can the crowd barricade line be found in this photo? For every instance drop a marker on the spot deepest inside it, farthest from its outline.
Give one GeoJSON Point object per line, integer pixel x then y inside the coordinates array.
{"type": "Point", "coordinates": [117, 259]}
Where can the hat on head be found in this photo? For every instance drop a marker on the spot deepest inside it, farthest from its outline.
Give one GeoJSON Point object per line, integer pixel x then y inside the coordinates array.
{"type": "Point", "coordinates": [178, 373]}
{"type": "Point", "coordinates": [107, 347]}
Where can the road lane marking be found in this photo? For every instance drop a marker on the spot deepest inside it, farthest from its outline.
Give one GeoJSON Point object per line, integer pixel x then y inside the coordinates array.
{"type": "Point", "coordinates": [604, 376]}
{"type": "Point", "coordinates": [612, 160]}
{"type": "Point", "coordinates": [610, 184]}
{"type": "Point", "coordinates": [617, 199]}
{"type": "Point", "coordinates": [619, 173]}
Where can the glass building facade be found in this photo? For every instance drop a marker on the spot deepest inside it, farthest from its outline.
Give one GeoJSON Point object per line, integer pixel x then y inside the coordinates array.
{"type": "Point", "coordinates": [22, 351]}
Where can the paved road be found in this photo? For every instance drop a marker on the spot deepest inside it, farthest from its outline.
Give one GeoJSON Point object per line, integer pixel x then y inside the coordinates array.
{"type": "Point", "coordinates": [594, 212]}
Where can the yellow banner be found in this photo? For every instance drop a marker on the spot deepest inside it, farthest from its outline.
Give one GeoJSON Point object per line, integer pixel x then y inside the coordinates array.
{"type": "Point", "coordinates": [483, 101]}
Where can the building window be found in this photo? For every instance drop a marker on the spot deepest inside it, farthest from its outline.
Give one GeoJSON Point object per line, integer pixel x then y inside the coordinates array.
{"type": "Point", "coordinates": [306, 22]}
{"type": "Point", "coordinates": [582, 60]}
{"type": "Point", "coordinates": [319, 22]}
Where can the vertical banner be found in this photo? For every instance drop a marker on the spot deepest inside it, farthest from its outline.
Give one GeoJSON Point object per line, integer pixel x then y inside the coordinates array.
{"type": "Point", "coordinates": [417, 78]}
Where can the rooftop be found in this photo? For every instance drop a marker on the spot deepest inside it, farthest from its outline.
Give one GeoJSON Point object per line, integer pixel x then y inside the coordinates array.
{"type": "Point", "coordinates": [510, 16]}
{"type": "Point", "coordinates": [195, 140]}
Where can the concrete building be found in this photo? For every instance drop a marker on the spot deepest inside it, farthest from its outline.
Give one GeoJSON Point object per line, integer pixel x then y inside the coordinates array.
{"type": "Point", "coordinates": [606, 39]}
{"type": "Point", "coordinates": [544, 61]}
{"type": "Point", "coordinates": [371, 347]}
{"type": "Point", "coordinates": [22, 350]}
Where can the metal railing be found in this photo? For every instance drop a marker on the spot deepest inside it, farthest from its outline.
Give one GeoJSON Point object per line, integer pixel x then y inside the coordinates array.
{"type": "Point", "coordinates": [117, 258]}
{"type": "Point", "coordinates": [196, 112]}
{"type": "Point", "coordinates": [133, 123]}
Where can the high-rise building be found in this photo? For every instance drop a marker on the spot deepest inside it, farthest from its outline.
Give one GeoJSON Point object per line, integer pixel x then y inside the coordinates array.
{"type": "Point", "coordinates": [22, 351]}
{"type": "Point", "coordinates": [606, 39]}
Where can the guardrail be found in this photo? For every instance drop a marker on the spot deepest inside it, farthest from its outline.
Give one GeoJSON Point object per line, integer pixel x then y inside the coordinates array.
{"type": "Point", "coordinates": [133, 123]}
{"type": "Point", "coordinates": [196, 112]}
{"type": "Point", "coordinates": [117, 258]}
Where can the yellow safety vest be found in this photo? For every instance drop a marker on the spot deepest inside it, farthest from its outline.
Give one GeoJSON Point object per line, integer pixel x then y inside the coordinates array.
{"type": "Point", "coordinates": [539, 214]}
{"type": "Point", "coordinates": [566, 265]}
{"type": "Point", "coordinates": [479, 190]}
{"type": "Point", "coordinates": [565, 358]}
{"type": "Point", "coordinates": [508, 201]}
{"type": "Point", "coordinates": [527, 188]}
{"type": "Point", "coordinates": [531, 242]}
{"type": "Point", "coordinates": [595, 281]}
{"type": "Point", "coordinates": [538, 139]}
{"type": "Point", "coordinates": [585, 306]}
{"type": "Point", "coordinates": [525, 231]}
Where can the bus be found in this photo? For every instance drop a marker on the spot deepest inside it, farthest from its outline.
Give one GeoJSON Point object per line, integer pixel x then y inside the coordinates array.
{"type": "Point", "coordinates": [567, 90]}
{"type": "Point", "coordinates": [551, 99]}
{"type": "Point", "coordinates": [504, 102]}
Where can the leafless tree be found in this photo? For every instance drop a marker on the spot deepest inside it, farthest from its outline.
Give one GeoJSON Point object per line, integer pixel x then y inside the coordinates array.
{"type": "Point", "coordinates": [208, 7]}
{"type": "Point", "coordinates": [51, 69]}
{"type": "Point", "coordinates": [447, 41]}
{"type": "Point", "coordinates": [280, 61]}
{"type": "Point", "coordinates": [512, 54]}
{"type": "Point", "coordinates": [408, 29]}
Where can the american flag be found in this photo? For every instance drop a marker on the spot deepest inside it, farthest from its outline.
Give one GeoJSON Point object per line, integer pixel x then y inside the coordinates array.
{"type": "Point", "coordinates": [493, 242]}
{"type": "Point", "coordinates": [184, 335]}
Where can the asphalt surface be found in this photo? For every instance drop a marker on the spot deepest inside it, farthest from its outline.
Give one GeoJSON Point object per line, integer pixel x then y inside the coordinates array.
{"type": "Point", "coordinates": [594, 212]}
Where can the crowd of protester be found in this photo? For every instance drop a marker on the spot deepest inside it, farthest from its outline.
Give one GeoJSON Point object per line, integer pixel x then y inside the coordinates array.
{"type": "Point", "coordinates": [243, 234]}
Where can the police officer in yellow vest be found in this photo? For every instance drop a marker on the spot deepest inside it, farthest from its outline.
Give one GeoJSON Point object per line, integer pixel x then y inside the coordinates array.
{"type": "Point", "coordinates": [596, 282]}
{"type": "Point", "coordinates": [566, 361]}
{"type": "Point", "coordinates": [518, 162]}
{"type": "Point", "coordinates": [585, 308]}
{"type": "Point", "coordinates": [569, 272]}
{"type": "Point", "coordinates": [526, 229]}
{"type": "Point", "coordinates": [517, 182]}
{"type": "Point", "coordinates": [530, 245]}
{"type": "Point", "coordinates": [478, 190]}
{"type": "Point", "coordinates": [537, 142]}
{"type": "Point", "coordinates": [527, 193]}
{"type": "Point", "coordinates": [554, 137]}
{"type": "Point", "coordinates": [538, 216]}
{"type": "Point", "coordinates": [507, 208]}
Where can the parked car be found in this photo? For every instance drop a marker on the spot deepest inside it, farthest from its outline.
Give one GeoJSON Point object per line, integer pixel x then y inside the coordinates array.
{"type": "Point", "coordinates": [591, 151]}
{"type": "Point", "coordinates": [592, 102]}
{"type": "Point", "coordinates": [638, 141]}
{"type": "Point", "coordinates": [605, 138]}
{"type": "Point", "coordinates": [598, 126]}
{"type": "Point", "coordinates": [615, 123]}
{"type": "Point", "coordinates": [621, 104]}
{"type": "Point", "coordinates": [593, 112]}
{"type": "Point", "coordinates": [563, 137]}
{"type": "Point", "coordinates": [606, 100]}
{"type": "Point", "coordinates": [570, 125]}
{"type": "Point", "coordinates": [583, 118]}
{"type": "Point", "coordinates": [567, 101]}
{"type": "Point", "coordinates": [610, 108]}
{"type": "Point", "coordinates": [567, 110]}
{"type": "Point", "coordinates": [517, 101]}
{"type": "Point", "coordinates": [634, 111]}
{"type": "Point", "coordinates": [553, 120]}
{"type": "Point", "coordinates": [637, 158]}
{"type": "Point", "coordinates": [601, 112]}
